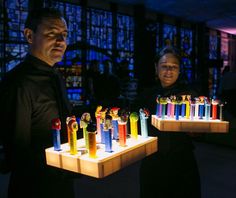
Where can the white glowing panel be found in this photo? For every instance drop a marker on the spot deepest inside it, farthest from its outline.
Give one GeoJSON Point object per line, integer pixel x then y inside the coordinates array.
{"type": "Point", "coordinates": [187, 125]}
{"type": "Point", "coordinates": [105, 163]}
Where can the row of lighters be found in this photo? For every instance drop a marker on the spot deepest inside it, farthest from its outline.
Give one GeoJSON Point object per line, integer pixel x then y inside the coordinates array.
{"type": "Point", "coordinates": [110, 125]}
{"type": "Point", "coordinates": [185, 107]}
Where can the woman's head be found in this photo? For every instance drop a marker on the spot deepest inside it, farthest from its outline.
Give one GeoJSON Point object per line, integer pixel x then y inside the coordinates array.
{"type": "Point", "coordinates": [167, 66]}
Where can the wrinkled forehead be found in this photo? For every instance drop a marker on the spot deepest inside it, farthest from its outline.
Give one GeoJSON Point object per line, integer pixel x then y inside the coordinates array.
{"type": "Point", "coordinates": [54, 23]}
{"type": "Point", "coordinates": [168, 59]}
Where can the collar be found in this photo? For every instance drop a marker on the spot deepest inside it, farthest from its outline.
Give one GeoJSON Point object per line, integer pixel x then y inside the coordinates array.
{"type": "Point", "coordinates": [39, 64]}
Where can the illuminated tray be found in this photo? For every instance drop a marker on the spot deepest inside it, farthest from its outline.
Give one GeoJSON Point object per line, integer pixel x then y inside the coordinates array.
{"type": "Point", "coordinates": [186, 125]}
{"type": "Point", "coordinates": [105, 163]}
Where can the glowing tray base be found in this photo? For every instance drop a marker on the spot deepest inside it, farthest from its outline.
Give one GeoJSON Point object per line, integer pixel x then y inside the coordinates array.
{"type": "Point", "coordinates": [187, 125]}
{"type": "Point", "coordinates": [105, 163]}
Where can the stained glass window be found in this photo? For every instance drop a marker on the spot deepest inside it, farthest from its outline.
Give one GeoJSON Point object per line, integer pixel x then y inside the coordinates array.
{"type": "Point", "coordinates": [2, 68]}
{"type": "Point", "coordinates": [186, 42]}
{"type": "Point", "coordinates": [214, 67]}
{"type": "Point", "coordinates": [213, 81]}
{"type": "Point", "coordinates": [224, 47]}
{"type": "Point", "coordinates": [1, 22]}
{"type": "Point", "coordinates": [169, 35]}
{"type": "Point", "coordinates": [125, 40]}
{"type": "Point", "coordinates": [14, 46]}
{"type": "Point", "coordinates": [213, 43]}
{"type": "Point", "coordinates": [158, 46]}
{"type": "Point", "coordinates": [99, 35]}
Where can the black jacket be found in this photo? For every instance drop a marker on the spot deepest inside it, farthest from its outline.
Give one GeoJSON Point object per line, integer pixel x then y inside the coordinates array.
{"type": "Point", "coordinates": [32, 94]}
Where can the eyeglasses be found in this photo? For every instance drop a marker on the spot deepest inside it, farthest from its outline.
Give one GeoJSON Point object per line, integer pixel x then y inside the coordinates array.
{"type": "Point", "coordinates": [168, 67]}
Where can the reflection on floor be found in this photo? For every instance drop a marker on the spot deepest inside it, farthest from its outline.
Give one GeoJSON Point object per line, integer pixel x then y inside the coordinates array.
{"type": "Point", "coordinates": [217, 166]}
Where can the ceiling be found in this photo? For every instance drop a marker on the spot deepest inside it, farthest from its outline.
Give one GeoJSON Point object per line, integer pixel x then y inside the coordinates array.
{"type": "Point", "coordinates": [217, 14]}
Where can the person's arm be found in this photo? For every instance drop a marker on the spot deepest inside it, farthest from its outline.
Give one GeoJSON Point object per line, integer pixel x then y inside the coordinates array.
{"type": "Point", "coordinates": [21, 125]}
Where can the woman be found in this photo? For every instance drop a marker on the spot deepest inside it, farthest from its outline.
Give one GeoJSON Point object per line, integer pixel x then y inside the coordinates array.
{"type": "Point", "coordinates": [172, 171]}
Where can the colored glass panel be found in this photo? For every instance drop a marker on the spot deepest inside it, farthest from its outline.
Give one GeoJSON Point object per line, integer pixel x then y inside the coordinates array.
{"type": "Point", "coordinates": [99, 35]}
{"type": "Point", "coordinates": [186, 42]}
{"type": "Point", "coordinates": [169, 35]}
{"type": "Point", "coordinates": [125, 40]}
{"type": "Point", "coordinates": [225, 48]}
{"type": "Point", "coordinates": [213, 43]}
{"type": "Point", "coordinates": [14, 48]}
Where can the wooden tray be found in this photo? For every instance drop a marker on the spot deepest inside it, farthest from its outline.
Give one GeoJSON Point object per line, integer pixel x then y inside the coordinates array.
{"type": "Point", "coordinates": [105, 163]}
{"type": "Point", "coordinates": [186, 125]}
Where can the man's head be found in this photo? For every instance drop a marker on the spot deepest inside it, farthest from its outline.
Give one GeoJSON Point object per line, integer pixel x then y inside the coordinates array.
{"type": "Point", "coordinates": [46, 32]}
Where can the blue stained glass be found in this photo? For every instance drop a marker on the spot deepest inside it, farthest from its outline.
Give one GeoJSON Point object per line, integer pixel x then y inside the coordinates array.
{"type": "Point", "coordinates": [14, 48]}
{"type": "Point", "coordinates": [157, 37]}
{"type": "Point", "coordinates": [154, 28]}
{"type": "Point", "coordinates": [16, 14]}
{"type": "Point", "coordinates": [214, 73]}
{"type": "Point", "coordinates": [74, 90]}
{"type": "Point", "coordinates": [186, 42]}
{"type": "Point", "coordinates": [224, 47]}
{"type": "Point", "coordinates": [99, 34]}
{"type": "Point", "coordinates": [213, 87]}
{"type": "Point", "coordinates": [213, 43]}
{"type": "Point", "coordinates": [14, 53]}
{"type": "Point", "coordinates": [2, 48]}
{"type": "Point", "coordinates": [125, 40]}
{"type": "Point", "coordinates": [169, 35]}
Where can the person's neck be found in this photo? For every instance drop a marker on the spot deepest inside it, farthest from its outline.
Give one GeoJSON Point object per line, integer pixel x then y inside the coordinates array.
{"type": "Point", "coordinates": [41, 58]}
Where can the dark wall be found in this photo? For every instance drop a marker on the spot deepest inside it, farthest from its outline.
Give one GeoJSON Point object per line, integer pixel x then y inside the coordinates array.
{"type": "Point", "coordinates": [144, 52]}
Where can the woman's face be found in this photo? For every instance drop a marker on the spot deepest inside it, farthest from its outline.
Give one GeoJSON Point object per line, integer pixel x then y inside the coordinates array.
{"type": "Point", "coordinates": [167, 70]}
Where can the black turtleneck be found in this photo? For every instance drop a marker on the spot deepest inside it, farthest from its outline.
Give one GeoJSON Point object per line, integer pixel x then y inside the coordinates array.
{"type": "Point", "coordinates": [32, 94]}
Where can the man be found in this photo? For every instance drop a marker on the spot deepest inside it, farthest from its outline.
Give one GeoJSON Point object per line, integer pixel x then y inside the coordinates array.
{"type": "Point", "coordinates": [32, 94]}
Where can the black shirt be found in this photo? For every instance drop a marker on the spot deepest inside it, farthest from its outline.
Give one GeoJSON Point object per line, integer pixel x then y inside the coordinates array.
{"type": "Point", "coordinates": [32, 94]}
{"type": "Point", "coordinates": [167, 141]}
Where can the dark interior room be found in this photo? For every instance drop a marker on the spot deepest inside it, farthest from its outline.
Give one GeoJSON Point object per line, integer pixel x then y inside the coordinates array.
{"type": "Point", "coordinates": [109, 35]}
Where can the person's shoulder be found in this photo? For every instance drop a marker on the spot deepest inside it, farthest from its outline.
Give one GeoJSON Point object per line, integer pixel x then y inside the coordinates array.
{"type": "Point", "coordinates": [12, 75]}
{"type": "Point", "coordinates": [17, 77]}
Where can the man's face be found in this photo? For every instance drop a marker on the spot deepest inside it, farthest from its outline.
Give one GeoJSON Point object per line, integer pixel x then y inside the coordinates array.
{"type": "Point", "coordinates": [168, 70]}
{"type": "Point", "coordinates": [48, 43]}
